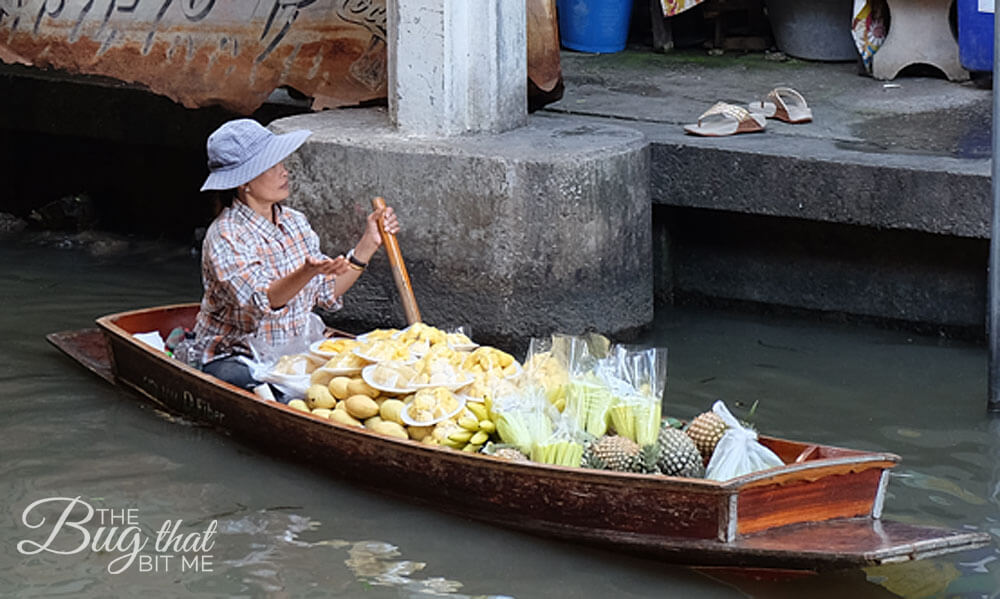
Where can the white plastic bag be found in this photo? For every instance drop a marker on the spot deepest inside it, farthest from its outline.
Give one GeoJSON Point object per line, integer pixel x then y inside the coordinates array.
{"type": "Point", "coordinates": [266, 356]}
{"type": "Point", "coordinates": [738, 452]}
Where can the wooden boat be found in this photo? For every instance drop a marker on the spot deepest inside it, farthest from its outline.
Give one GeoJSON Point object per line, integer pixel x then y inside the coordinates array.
{"type": "Point", "coordinates": [821, 511]}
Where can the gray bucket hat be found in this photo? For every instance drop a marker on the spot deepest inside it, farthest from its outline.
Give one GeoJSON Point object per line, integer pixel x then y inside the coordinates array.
{"type": "Point", "coordinates": [242, 149]}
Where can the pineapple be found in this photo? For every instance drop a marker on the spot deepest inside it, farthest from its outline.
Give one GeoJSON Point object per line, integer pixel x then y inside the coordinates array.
{"type": "Point", "coordinates": [706, 430]}
{"type": "Point", "coordinates": [612, 452]}
{"type": "Point", "coordinates": [649, 459]}
{"type": "Point", "coordinates": [678, 455]}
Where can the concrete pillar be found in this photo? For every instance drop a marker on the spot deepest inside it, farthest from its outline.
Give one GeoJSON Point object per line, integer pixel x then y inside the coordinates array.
{"type": "Point", "coordinates": [457, 66]}
{"type": "Point", "coordinates": [542, 229]}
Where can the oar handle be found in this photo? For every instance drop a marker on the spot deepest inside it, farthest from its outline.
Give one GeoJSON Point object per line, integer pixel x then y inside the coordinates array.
{"type": "Point", "coordinates": [399, 274]}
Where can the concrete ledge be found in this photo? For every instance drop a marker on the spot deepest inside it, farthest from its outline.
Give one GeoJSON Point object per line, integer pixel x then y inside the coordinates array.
{"type": "Point", "coordinates": [544, 228]}
{"type": "Point", "coordinates": [832, 181]}
{"type": "Point", "coordinates": [930, 194]}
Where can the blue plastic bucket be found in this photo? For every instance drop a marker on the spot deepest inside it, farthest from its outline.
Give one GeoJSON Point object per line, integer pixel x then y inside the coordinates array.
{"type": "Point", "coordinates": [599, 26]}
{"type": "Point", "coordinates": [975, 35]}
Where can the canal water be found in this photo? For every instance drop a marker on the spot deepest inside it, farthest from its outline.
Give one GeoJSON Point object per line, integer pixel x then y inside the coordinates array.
{"type": "Point", "coordinates": [288, 529]}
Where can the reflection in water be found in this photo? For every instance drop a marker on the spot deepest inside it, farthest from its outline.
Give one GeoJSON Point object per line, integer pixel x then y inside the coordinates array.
{"type": "Point", "coordinates": [64, 432]}
{"type": "Point", "coordinates": [270, 537]}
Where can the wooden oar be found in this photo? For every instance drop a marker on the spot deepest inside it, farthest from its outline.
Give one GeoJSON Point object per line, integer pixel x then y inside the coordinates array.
{"type": "Point", "coordinates": [399, 273]}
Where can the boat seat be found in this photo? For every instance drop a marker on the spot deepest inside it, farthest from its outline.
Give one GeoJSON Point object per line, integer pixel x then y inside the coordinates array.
{"type": "Point", "coordinates": [919, 33]}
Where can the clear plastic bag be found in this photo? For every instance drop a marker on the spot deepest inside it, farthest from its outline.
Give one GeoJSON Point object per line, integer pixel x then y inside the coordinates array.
{"type": "Point", "coordinates": [548, 368]}
{"type": "Point", "coordinates": [738, 452]}
{"type": "Point", "coordinates": [564, 447]}
{"type": "Point", "coordinates": [266, 358]}
{"type": "Point", "coordinates": [647, 372]}
{"type": "Point", "coordinates": [588, 396]}
{"type": "Point", "coordinates": [523, 416]}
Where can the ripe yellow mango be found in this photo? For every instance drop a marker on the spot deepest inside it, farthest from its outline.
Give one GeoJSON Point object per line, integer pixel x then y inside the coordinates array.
{"type": "Point", "coordinates": [342, 417]}
{"type": "Point", "coordinates": [322, 412]}
{"type": "Point", "coordinates": [318, 396]}
{"type": "Point", "coordinates": [360, 387]}
{"type": "Point", "coordinates": [420, 433]}
{"type": "Point", "coordinates": [361, 406]}
{"type": "Point", "coordinates": [391, 410]}
{"type": "Point", "coordinates": [338, 387]}
{"type": "Point", "coordinates": [391, 429]}
{"type": "Point", "coordinates": [298, 404]}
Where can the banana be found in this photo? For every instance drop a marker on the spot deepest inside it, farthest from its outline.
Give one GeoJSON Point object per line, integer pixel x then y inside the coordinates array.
{"type": "Point", "coordinates": [447, 442]}
{"type": "Point", "coordinates": [479, 438]}
{"type": "Point", "coordinates": [487, 426]}
{"type": "Point", "coordinates": [461, 436]}
{"type": "Point", "coordinates": [478, 409]}
{"type": "Point", "coordinates": [471, 448]}
{"type": "Point", "coordinates": [469, 423]}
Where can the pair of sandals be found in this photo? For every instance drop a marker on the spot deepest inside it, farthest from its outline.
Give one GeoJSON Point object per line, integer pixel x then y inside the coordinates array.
{"type": "Point", "coordinates": [782, 103]}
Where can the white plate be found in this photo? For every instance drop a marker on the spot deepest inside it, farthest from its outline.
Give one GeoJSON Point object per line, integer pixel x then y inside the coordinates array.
{"type": "Point", "coordinates": [468, 398]}
{"type": "Point", "coordinates": [463, 347]}
{"type": "Point", "coordinates": [348, 371]}
{"type": "Point", "coordinates": [366, 375]}
{"type": "Point", "coordinates": [404, 415]}
{"type": "Point", "coordinates": [364, 337]}
{"type": "Point", "coordinates": [315, 350]}
{"type": "Point", "coordinates": [518, 369]}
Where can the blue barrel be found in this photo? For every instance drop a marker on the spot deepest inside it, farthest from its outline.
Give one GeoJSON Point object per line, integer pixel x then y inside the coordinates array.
{"type": "Point", "coordinates": [599, 26]}
{"type": "Point", "coordinates": [975, 36]}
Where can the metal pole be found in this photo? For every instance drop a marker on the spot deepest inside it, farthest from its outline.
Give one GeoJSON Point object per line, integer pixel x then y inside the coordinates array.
{"type": "Point", "coordinates": [993, 286]}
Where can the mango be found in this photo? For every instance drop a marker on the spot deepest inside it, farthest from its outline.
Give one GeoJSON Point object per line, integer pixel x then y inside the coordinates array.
{"type": "Point", "coordinates": [318, 396]}
{"type": "Point", "coordinates": [391, 429]}
{"type": "Point", "coordinates": [338, 387]}
{"type": "Point", "coordinates": [298, 404]}
{"type": "Point", "coordinates": [342, 417]}
{"type": "Point", "coordinates": [420, 433]}
{"type": "Point", "coordinates": [359, 387]}
{"type": "Point", "coordinates": [361, 406]}
{"type": "Point", "coordinates": [391, 410]}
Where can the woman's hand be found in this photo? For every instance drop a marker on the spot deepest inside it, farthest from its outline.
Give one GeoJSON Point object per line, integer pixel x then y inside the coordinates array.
{"type": "Point", "coordinates": [372, 238]}
{"type": "Point", "coordinates": [325, 266]}
{"type": "Point", "coordinates": [281, 291]}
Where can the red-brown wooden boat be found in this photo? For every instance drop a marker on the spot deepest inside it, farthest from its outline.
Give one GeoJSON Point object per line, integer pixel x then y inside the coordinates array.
{"type": "Point", "coordinates": [821, 511]}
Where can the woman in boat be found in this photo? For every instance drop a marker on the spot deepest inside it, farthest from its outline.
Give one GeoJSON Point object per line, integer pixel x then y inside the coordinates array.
{"type": "Point", "coordinates": [262, 267]}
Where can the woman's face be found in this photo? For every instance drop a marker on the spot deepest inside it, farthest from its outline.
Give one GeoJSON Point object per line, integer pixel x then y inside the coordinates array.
{"type": "Point", "coordinates": [271, 186]}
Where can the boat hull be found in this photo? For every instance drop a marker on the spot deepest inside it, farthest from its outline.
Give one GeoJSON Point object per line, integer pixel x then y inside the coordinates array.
{"type": "Point", "coordinates": [819, 513]}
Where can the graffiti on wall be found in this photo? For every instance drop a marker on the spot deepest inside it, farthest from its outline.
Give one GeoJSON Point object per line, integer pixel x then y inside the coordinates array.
{"type": "Point", "coordinates": [201, 52]}
{"type": "Point", "coordinates": [233, 53]}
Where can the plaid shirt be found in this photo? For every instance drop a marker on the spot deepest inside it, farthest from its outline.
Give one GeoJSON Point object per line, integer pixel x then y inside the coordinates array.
{"type": "Point", "coordinates": [242, 255]}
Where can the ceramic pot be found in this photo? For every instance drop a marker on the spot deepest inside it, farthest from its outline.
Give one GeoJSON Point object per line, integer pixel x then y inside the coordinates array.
{"type": "Point", "coordinates": [813, 29]}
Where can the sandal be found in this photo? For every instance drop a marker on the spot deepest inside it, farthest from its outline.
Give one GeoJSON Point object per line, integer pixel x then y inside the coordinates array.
{"type": "Point", "coordinates": [784, 104]}
{"type": "Point", "coordinates": [726, 119]}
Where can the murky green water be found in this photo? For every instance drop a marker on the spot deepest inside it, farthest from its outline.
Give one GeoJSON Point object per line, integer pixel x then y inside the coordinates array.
{"type": "Point", "coordinates": [287, 530]}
